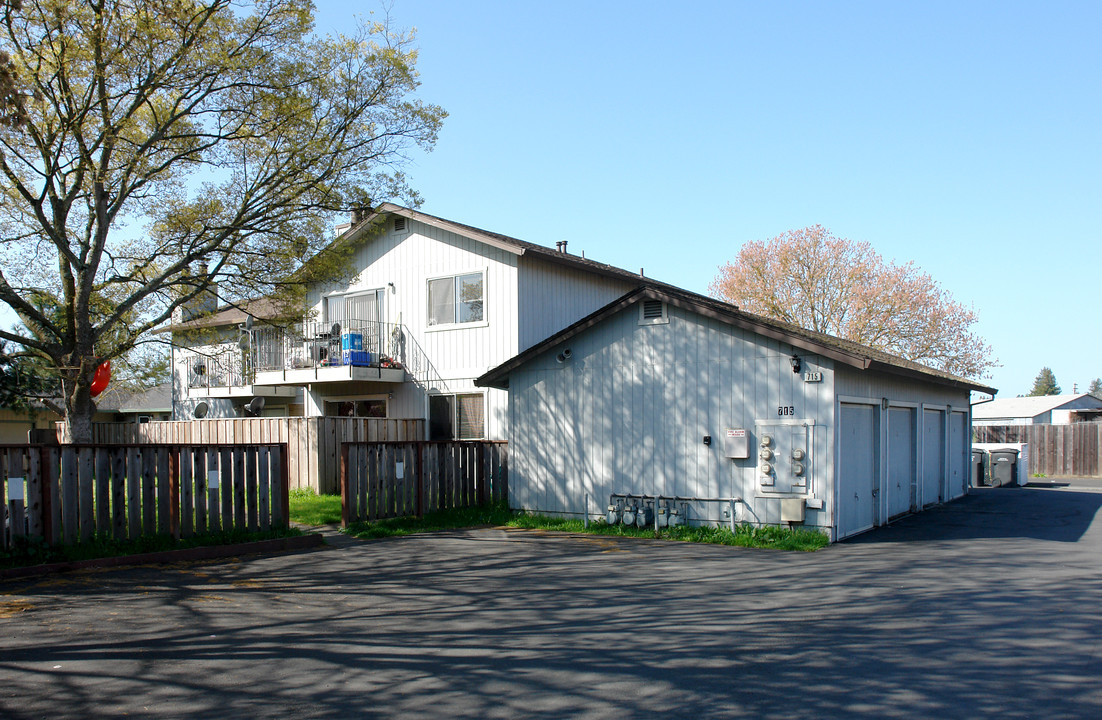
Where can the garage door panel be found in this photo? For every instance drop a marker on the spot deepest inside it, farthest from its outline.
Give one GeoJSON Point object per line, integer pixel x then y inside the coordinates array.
{"type": "Point", "coordinates": [902, 461]}
{"type": "Point", "coordinates": [857, 496]}
{"type": "Point", "coordinates": [933, 457]}
{"type": "Point", "coordinates": [959, 454]}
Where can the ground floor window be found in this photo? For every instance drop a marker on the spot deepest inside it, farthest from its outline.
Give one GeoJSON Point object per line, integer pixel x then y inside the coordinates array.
{"type": "Point", "coordinates": [457, 417]}
{"type": "Point", "coordinates": [371, 408]}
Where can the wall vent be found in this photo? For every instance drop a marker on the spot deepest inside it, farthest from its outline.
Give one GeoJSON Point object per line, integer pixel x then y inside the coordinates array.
{"type": "Point", "coordinates": [652, 312]}
{"type": "Point", "coordinates": [399, 224]}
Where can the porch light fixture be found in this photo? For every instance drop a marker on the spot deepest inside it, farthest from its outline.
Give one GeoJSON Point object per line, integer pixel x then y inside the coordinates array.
{"type": "Point", "coordinates": [795, 360]}
{"type": "Point", "coordinates": [564, 355]}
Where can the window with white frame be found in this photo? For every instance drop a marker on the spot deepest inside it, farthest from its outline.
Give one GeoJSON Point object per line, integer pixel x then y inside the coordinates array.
{"type": "Point", "coordinates": [456, 299]}
{"type": "Point", "coordinates": [457, 417]}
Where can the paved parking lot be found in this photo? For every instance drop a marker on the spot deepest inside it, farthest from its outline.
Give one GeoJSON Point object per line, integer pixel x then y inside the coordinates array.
{"type": "Point", "coordinates": [988, 607]}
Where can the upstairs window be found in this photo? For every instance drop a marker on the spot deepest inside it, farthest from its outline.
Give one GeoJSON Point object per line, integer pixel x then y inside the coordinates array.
{"type": "Point", "coordinates": [456, 299]}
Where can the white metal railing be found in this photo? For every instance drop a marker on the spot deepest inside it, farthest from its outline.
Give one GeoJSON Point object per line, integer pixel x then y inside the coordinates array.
{"type": "Point", "coordinates": [350, 342]}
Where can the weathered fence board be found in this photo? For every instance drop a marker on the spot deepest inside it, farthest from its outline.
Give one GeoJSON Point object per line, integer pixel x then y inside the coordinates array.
{"type": "Point", "coordinates": [1057, 450]}
{"type": "Point", "coordinates": [313, 444]}
{"type": "Point", "coordinates": [394, 479]}
{"type": "Point", "coordinates": [73, 493]}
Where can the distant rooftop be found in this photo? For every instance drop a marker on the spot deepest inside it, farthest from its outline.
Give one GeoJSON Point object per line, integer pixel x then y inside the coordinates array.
{"type": "Point", "coordinates": [1030, 406]}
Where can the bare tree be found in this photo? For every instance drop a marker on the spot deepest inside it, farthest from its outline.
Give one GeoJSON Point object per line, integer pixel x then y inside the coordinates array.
{"type": "Point", "coordinates": [169, 147]}
{"type": "Point", "coordinates": [844, 288]}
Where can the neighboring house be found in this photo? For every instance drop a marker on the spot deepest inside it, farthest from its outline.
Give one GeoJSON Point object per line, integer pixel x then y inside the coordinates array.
{"type": "Point", "coordinates": [671, 399]}
{"type": "Point", "coordinates": [1039, 410]}
{"type": "Point", "coordinates": [434, 305]}
{"type": "Point", "coordinates": [16, 425]}
{"type": "Point", "coordinates": [134, 405]}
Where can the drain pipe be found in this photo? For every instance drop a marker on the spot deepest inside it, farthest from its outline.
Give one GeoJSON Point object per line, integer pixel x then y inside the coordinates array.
{"type": "Point", "coordinates": [585, 518]}
{"type": "Point", "coordinates": [732, 515]}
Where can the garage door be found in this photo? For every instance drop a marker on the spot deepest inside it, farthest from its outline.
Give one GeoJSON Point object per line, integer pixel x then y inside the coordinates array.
{"type": "Point", "coordinates": [857, 495]}
{"type": "Point", "coordinates": [933, 457]}
{"type": "Point", "coordinates": [960, 455]}
{"type": "Point", "coordinates": [901, 461]}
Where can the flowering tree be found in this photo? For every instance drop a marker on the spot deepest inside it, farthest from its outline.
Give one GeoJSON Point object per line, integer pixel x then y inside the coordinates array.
{"type": "Point", "coordinates": [156, 150]}
{"type": "Point", "coordinates": [841, 287]}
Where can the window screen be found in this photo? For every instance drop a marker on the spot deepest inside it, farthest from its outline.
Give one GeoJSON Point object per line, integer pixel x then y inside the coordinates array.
{"type": "Point", "coordinates": [442, 301]}
{"type": "Point", "coordinates": [470, 417]}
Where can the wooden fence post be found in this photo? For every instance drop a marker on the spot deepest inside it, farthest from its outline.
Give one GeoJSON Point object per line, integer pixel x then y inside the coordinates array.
{"type": "Point", "coordinates": [346, 496]}
{"type": "Point", "coordinates": [419, 451]}
{"type": "Point", "coordinates": [174, 492]}
{"type": "Point", "coordinates": [49, 486]}
{"type": "Point", "coordinates": [284, 478]}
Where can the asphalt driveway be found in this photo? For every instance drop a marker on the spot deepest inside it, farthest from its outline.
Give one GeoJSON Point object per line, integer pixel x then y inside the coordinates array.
{"type": "Point", "coordinates": [988, 607]}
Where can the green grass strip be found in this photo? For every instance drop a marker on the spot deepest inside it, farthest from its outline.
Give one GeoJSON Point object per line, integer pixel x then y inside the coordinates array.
{"type": "Point", "coordinates": [309, 508]}
{"type": "Point", "coordinates": [768, 536]}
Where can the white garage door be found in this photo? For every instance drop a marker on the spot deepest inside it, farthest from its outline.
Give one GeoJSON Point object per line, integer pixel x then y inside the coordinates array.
{"type": "Point", "coordinates": [933, 457]}
{"type": "Point", "coordinates": [857, 494]}
{"type": "Point", "coordinates": [960, 455]}
{"type": "Point", "coordinates": [901, 461]}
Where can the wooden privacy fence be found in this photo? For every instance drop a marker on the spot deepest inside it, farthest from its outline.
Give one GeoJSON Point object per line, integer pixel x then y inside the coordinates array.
{"type": "Point", "coordinates": [384, 480]}
{"type": "Point", "coordinates": [1055, 450]}
{"type": "Point", "coordinates": [73, 493]}
{"type": "Point", "coordinates": [313, 443]}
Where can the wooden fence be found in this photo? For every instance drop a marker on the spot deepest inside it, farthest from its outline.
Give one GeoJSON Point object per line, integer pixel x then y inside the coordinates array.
{"type": "Point", "coordinates": [73, 493]}
{"type": "Point", "coordinates": [1054, 450]}
{"type": "Point", "coordinates": [313, 443]}
{"type": "Point", "coordinates": [384, 480]}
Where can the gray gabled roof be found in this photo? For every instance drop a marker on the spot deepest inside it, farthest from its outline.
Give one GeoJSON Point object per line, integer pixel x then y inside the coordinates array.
{"type": "Point", "coordinates": [845, 352]}
{"type": "Point", "coordinates": [151, 400]}
{"type": "Point", "coordinates": [1028, 407]}
{"type": "Point", "coordinates": [508, 244]}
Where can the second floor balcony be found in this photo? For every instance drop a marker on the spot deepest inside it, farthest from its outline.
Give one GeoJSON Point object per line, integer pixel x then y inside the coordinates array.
{"type": "Point", "coordinates": [315, 352]}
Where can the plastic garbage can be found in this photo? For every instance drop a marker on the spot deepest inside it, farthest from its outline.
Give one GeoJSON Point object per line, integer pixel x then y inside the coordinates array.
{"type": "Point", "coordinates": [1004, 466]}
{"type": "Point", "coordinates": [979, 475]}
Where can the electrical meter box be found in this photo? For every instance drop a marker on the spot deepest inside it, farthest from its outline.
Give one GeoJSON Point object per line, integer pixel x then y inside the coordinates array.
{"type": "Point", "coordinates": [736, 444]}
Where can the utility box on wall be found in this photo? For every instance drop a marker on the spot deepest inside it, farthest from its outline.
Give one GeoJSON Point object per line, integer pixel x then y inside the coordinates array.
{"type": "Point", "coordinates": [736, 444]}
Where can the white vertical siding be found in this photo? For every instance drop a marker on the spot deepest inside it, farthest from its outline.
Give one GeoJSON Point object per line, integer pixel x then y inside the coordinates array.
{"type": "Point", "coordinates": [628, 413]}
{"type": "Point", "coordinates": [402, 263]}
{"type": "Point", "coordinates": [551, 297]}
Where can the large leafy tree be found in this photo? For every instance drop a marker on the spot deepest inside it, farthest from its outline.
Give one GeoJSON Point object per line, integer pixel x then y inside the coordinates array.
{"type": "Point", "coordinates": [1044, 384]}
{"type": "Point", "coordinates": [26, 383]}
{"type": "Point", "coordinates": [1096, 388]}
{"type": "Point", "coordinates": [163, 149]}
{"type": "Point", "coordinates": [842, 287]}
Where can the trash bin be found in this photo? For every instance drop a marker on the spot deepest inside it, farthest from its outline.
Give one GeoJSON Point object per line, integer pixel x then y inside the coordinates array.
{"type": "Point", "coordinates": [979, 475]}
{"type": "Point", "coordinates": [1004, 466]}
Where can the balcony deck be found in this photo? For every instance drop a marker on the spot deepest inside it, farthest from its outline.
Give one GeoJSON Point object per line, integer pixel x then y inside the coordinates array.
{"type": "Point", "coordinates": [272, 361]}
{"type": "Point", "coordinates": [329, 373]}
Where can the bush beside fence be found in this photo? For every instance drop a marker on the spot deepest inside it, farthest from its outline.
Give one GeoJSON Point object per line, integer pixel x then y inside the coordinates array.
{"type": "Point", "coordinates": [73, 493]}
{"type": "Point", "coordinates": [385, 480]}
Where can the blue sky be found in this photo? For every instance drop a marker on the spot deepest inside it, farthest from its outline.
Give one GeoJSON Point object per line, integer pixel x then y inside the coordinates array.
{"type": "Point", "coordinates": [962, 136]}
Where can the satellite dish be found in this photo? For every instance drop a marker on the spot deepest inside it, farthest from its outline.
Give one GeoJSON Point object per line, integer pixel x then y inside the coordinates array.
{"type": "Point", "coordinates": [248, 322]}
{"type": "Point", "coordinates": [254, 407]}
{"type": "Point", "coordinates": [335, 331]}
{"type": "Point", "coordinates": [201, 409]}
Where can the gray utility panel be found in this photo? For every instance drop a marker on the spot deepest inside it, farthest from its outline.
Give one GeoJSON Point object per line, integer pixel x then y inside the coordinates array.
{"type": "Point", "coordinates": [784, 463]}
{"type": "Point", "coordinates": [736, 443]}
